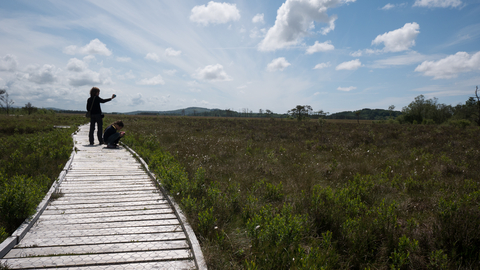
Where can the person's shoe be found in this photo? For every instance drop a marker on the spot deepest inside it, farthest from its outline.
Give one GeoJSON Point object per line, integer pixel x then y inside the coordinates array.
{"type": "Point", "coordinates": [91, 143]}
{"type": "Point", "coordinates": [100, 143]}
{"type": "Point", "coordinates": [111, 146]}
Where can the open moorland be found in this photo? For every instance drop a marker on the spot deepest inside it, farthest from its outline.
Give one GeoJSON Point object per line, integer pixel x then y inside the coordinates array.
{"type": "Point", "coordinates": [278, 194]}
{"type": "Point", "coordinates": [285, 194]}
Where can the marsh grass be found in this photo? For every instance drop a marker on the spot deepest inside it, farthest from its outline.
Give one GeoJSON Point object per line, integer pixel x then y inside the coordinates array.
{"type": "Point", "coordinates": [32, 155]}
{"type": "Point", "coordinates": [277, 194]}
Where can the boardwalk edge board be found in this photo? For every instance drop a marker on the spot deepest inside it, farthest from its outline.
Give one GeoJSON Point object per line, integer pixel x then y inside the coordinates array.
{"type": "Point", "coordinates": [21, 231]}
{"type": "Point", "coordinates": [191, 238]}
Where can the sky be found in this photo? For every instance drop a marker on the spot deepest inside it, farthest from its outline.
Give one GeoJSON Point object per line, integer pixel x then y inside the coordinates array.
{"type": "Point", "coordinates": [334, 55]}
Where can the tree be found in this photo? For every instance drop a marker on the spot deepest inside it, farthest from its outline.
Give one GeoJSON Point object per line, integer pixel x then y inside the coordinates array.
{"type": "Point", "coordinates": [322, 114]}
{"type": "Point", "coordinates": [29, 108]}
{"type": "Point", "coordinates": [391, 108]}
{"type": "Point", "coordinates": [5, 101]}
{"type": "Point", "coordinates": [422, 110]}
{"type": "Point", "coordinates": [300, 112]}
{"type": "Point", "coordinates": [357, 113]}
{"type": "Point", "coordinates": [478, 107]}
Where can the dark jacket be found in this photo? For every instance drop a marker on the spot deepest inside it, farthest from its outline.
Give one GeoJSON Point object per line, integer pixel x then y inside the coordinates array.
{"type": "Point", "coordinates": [96, 104]}
{"type": "Point", "coordinates": [109, 131]}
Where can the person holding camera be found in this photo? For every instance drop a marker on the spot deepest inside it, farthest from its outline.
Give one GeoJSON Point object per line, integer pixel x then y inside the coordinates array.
{"type": "Point", "coordinates": [112, 134]}
{"type": "Point", "coordinates": [96, 115]}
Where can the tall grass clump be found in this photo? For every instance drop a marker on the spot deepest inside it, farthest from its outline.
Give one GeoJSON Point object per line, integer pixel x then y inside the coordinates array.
{"type": "Point", "coordinates": [283, 194]}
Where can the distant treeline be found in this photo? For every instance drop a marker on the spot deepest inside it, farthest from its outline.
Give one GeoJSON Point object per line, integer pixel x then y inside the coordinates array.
{"type": "Point", "coordinates": [419, 111]}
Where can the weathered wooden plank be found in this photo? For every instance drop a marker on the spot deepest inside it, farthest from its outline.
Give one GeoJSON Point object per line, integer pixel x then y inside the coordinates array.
{"type": "Point", "coordinates": [122, 224]}
{"type": "Point", "coordinates": [106, 205]}
{"type": "Point", "coordinates": [101, 248]}
{"type": "Point", "coordinates": [102, 239]}
{"type": "Point", "coordinates": [61, 220]}
{"type": "Point", "coordinates": [58, 210]}
{"type": "Point", "coordinates": [99, 259]}
{"type": "Point", "coordinates": [59, 233]}
{"type": "Point", "coordinates": [87, 216]}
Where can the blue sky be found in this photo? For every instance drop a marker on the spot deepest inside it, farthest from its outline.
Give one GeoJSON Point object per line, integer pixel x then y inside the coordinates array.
{"type": "Point", "coordinates": [333, 55]}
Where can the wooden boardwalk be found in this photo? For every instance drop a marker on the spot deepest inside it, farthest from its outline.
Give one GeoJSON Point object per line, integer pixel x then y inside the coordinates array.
{"type": "Point", "coordinates": [107, 213]}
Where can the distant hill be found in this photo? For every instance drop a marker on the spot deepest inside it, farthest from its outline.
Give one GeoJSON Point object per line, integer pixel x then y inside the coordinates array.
{"type": "Point", "coordinates": [365, 114]}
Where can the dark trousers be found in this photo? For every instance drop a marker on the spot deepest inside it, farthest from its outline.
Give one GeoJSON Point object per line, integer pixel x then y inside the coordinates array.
{"type": "Point", "coordinates": [113, 139]}
{"type": "Point", "coordinates": [96, 118]}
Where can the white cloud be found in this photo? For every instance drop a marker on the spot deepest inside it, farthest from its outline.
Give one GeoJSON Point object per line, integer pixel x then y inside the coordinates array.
{"type": "Point", "coordinates": [138, 100]}
{"type": "Point", "coordinates": [278, 64]}
{"type": "Point", "coordinates": [322, 65]}
{"type": "Point", "coordinates": [320, 47]}
{"type": "Point", "coordinates": [215, 13]}
{"type": "Point", "coordinates": [450, 66]}
{"type": "Point", "coordinates": [258, 18]}
{"type": "Point", "coordinates": [346, 89]}
{"type": "Point", "coordinates": [350, 65]}
{"type": "Point", "coordinates": [96, 47]}
{"type": "Point", "coordinates": [76, 65]}
{"type": "Point", "coordinates": [295, 18]}
{"type": "Point", "coordinates": [72, 49]}
{"type": "Point", "coordinates": [124, 59]}
{"type": "Point", "coordinates": [214, 73]}
{"type": "Point", "coordinates": [331, 25]}
{"type": "Point", "coordinates": [153, 56]}
{"type": "Point", "coordinates": [89, 77]}
{"type": "Point", "coordinates": [388, 6]}
{"type": "Point", "coordinates": [172, 52]}
{"type": "Point", "coordinates": [437, 3]}
{"type": "Point", "coordinates": [153, 81]}
{"type": "Point", "coordinates": [89, 58]}
{"type": "Point", "coordinates": [400, 39]}
{"type": "Point", "coordinates": [41, 75]}
{"type": "Point", "coordinates": [357, 53]}
{"type": "Point", "coordinates": [8, 63]}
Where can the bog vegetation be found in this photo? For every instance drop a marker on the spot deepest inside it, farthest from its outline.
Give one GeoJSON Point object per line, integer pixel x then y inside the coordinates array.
{"type": "Point", "coordinates": [287, 194]}
{"type": "Point", "coordinates": [32, 155]}
{"type": "Point", "coordinates": [280, 194]}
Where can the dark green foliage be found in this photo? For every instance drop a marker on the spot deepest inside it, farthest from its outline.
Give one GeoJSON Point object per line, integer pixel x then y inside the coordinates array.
{"type": "Point", "coordinates": [19, 198]}
{"type": "Point", "coordinates": [366, 114]}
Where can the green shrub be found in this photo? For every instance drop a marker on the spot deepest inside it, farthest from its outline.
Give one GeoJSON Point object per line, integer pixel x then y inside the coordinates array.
{"type": "Point", "coordinates": [18, 200]}
{"type": "Point", "coordinates": [461, 123]}
{"type": "Point", "coordinates": [400, 257]}
{"type": "Point", "coordinates": [276, 235]}
{"type": "Point", "coordinates": [428, 122]}
{"type": "Point", "coordinates": [458, 220]}
{"type": "Point", "coordinates": [3, 234]}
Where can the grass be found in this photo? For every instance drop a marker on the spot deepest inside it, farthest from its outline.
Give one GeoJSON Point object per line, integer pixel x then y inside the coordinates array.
{"type": "Point", "coordinates": [266, 194]}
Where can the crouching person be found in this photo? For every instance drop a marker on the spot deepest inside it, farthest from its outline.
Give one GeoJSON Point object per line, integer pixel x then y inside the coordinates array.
{"type": "Point", "coordinates": [112, 134]}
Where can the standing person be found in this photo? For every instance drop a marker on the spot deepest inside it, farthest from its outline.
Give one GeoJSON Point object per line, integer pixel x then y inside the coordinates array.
{"type": "Point", "coordinates": [112, 134]}
{"type": "Point", "coordinates": [96, 116]}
